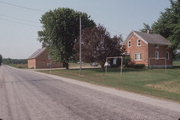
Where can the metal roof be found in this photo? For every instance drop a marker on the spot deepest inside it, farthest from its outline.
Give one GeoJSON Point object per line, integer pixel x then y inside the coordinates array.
{"type": "Point", "coordinates": [150, 38]}
{"type": "Point", "coordinates": [37, 53]}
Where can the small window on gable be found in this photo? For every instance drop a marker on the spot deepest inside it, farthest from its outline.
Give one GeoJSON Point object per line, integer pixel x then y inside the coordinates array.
{"type": "Point", "coordinates": [138, 42]}
{"type": "Point", "coordinates": [167, 55]}
{"type": "Point", "coordinates": [129, 43]}
{"type": "Point", "coordinates": [157, 54]}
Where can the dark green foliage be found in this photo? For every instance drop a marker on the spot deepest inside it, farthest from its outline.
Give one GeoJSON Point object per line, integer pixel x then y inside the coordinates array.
{"type": "Point", "coordinates": [168, 24]}
{"type": "Point", "coordinates": [126, 60]}
{"type": "Point", "coordinates": [139, 66]}
{"type": "Point", "coordinates": [146, 28]}
{"type": "Point", "coordinates": [177, 57]}
{"type": "Point", "coordinates": [60, 29]}
{"type": "Point", "coordinates": [1, 59]}
{"type": "Point", "coordinates": [136, 66]}
{"type": "Point", "coordinates": [14, 61]}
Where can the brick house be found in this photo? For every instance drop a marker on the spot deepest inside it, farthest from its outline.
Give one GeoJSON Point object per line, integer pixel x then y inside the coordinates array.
{"type": "Point", "coordinates": [153, 50]}
{"type": "Point", "coordinates": [41, 59]}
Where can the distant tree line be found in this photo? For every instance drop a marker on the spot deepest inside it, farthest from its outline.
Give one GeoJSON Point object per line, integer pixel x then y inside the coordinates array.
{"type": "Point", "coordinates": [14, 61]}
{"type": "Point", "coordinates": [1, 59]}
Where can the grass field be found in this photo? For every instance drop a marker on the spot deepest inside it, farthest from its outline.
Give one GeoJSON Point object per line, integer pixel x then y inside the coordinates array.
{"type": "Point", "coordinates": [22, 66]}
{"type": "Point", "coordinates": [156, 82]}
{"type": "Point", "coordinates": [85, 65]}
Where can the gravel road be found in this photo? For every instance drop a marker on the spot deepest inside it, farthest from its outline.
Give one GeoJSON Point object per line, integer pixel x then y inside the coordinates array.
{"type": "Point", "coordinates": [27, 95]}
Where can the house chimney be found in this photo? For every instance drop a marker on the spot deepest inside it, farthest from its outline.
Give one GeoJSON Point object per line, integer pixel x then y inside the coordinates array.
{"type": "Point", "coordinates": [148, 31]}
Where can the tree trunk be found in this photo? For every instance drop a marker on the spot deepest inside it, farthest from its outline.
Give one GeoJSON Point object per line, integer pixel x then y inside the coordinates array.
{"type": "Point", "coordinates": [66, 65]}
{"type": "Point", "coordinates": [102, 66]}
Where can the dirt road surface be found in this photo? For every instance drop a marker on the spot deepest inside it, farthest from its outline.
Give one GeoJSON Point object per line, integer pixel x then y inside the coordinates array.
{"type": "Point", "coordinates": [27, 95]}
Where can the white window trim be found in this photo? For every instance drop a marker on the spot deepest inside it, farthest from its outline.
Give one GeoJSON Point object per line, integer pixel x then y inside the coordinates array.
{"type": "Point", "coordinates": [158, 56]}
{"type": "Point", "coordinates": [138, 42]}
{"type": "Point", "coordinates": [168, 55]}
{"type": "Point", "coordinates": [129, 44]}
{"type": "Point", "coordinates": [138, 59]}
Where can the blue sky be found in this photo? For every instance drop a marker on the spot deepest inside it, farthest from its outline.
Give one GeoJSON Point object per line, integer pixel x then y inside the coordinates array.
{"type": "Point", "coordinates": [18, 26]}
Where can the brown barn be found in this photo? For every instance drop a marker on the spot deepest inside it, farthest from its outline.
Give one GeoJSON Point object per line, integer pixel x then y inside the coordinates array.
{"type": "Point", "coordinates": [153, 50]}
{"type": "Point", "coordinates": [41, 59]}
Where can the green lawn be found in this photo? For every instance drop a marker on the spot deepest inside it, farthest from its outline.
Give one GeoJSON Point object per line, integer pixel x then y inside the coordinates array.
{"type": "Point", "coordinates": [72, 65]}
{"type": "Point", "coordinates": [176, 63]}
{"type": "Point", "coordinates": [156, 82]}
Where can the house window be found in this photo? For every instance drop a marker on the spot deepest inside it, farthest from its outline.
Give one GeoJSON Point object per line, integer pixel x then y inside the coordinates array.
{"type": "Point", "coordinates": [114, 61]}
{"type": "Point", "coordinates": [138, 42]}
{"type": "Point", "coordinates": [156, 46]}
{"type": "Point", "coordinates": [167, 55]}
{"type": "Point", "coordinates": [138, 56]}
{"type": "Point", "coordinates": [49, 57]}
{"type": "Point", "coordinates": [157, 54]}
{"type": "Point", "coordinates": [129, 43]}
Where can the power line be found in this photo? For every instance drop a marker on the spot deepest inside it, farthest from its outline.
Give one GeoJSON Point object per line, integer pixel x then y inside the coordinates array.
{"type": "Point", "coordinates": [12, 21]}
{"type": "Point", "coordinates": [22, 7]}
{"type": "Point", "coordinates": [16, 18]}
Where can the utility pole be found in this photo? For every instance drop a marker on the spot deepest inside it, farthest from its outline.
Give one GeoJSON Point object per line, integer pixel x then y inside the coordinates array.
{"type": "Point", "coordinates": [121, 64]}
{"type": "Point", "coordinates": [80, 43]}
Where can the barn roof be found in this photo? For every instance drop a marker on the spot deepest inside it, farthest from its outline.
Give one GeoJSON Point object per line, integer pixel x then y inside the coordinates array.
{"type": "Point", "coordinates": [150, 38]}
{"type": "Point", "coordinates": [37, 53]}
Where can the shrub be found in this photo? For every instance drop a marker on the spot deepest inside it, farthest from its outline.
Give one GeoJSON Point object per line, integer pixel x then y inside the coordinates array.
{"type": "Point", "coordinates": [139, 66]}
{"type": "Point", "coordinates": [126, 61]}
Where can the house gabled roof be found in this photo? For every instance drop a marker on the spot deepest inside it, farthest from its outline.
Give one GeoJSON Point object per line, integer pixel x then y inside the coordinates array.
{"type": "Point", "coordinates": [37, 53]}
{"type": "Point", "coordinates": [149, 38]}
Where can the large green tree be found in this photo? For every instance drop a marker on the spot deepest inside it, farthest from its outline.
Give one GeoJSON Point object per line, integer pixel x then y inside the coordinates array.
{"type": "Point", "coordinates": [60, 29]}
{"type": "Point", "coordinates": [168, 24]}
{"type": "Point", "coordinates": [0, 59]}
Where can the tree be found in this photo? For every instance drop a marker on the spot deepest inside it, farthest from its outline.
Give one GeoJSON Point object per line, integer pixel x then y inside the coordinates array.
{"type": "Point", "coordinates": [168, 24]}
{"type": "Point", "coordinates": [97, 45]}
{"type": "Point", "coordinates": [146, 28]}
{"type": "Point", "coordinates": [0, 59]}
{"type": "Point", "coordinates": [60, 29]}
{"type": "Point", "coordinates": [14, 61]}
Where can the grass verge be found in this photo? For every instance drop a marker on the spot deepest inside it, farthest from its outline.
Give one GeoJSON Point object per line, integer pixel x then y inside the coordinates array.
{"type": "Point", "coordinates": [156, 82]}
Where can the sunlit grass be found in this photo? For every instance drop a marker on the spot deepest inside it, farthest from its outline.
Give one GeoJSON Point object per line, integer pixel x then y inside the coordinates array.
{"type": "Point", "coordinates": [157, 82]}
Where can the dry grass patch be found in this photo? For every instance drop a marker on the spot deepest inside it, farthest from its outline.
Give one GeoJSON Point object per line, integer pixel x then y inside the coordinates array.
{"type": "Point", "coordinates": [169, 86]}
